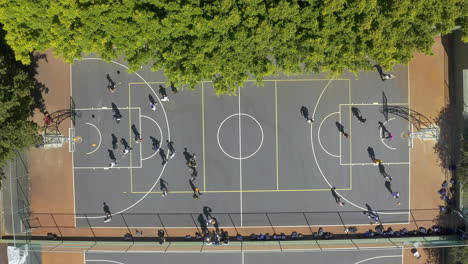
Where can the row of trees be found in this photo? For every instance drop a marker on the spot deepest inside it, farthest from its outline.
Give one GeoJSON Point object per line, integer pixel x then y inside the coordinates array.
{"type": "Point", "coordinates": [17, 83]}
{"type": "Point", "coordinates": [228, 41]}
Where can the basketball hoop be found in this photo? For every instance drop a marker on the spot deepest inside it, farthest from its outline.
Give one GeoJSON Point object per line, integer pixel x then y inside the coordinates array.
{"type": "Point", "coordinates": [77, 139]}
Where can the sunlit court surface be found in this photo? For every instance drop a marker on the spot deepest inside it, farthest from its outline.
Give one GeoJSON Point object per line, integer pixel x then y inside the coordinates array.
{"type": "Point", "coordinates": [269, 155]}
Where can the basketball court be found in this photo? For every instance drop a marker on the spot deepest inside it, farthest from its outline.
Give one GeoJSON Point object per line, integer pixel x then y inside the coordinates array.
{"type": "Point", "coordinates": [259, 162]}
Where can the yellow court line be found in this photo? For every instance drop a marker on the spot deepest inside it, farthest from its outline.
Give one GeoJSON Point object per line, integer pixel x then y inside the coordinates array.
{"type": "Point", "coordinates": [375, 103]}
{"type": "Point", "coordinates": [289, 80]}
{"type": "Point", "coordinates": [130, 134]}
{"type": "Point", "coordinates": [251, 191]}
{"type": "Point", "coordinates": [276, 127]}
{"type": "Point", "coordinates": [203, 135]}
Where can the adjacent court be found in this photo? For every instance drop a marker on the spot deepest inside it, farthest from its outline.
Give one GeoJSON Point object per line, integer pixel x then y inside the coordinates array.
{"type": "Point", "coordinates": [387, 256]}
{"type": "Point", "coordinates": [258, 161]}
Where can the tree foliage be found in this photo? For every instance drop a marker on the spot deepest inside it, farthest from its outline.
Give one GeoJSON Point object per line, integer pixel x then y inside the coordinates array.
{"type": "Point", "coordinates": [229, 41]}
{"type": "Point", "coordinates": [459, 254]}
{"type": "Point", "coordinates": [16, 101]}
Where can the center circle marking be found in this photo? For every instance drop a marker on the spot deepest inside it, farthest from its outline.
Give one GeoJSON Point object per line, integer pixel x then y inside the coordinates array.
{"type": "Point", "coordinates": [240, 157]}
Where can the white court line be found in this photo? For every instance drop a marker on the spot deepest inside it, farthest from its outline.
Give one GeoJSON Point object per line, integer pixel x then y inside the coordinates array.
{"type": "Point", "coordinates": [320, 169]}
{"type": "Point", "coordinates": [168, 135]}
{"type": "Point", "coordinates": [229, 251]}
{"type": "Point", "coordinates": [380, 134]}
{"type": "Point", "coordinates": [160, 131]}
{"type": "Point", "coordinates": [248, 226]}
{"type": "Point", "coordinates": [377, 103]}
{"type": "Point", "coordinates": [240, 158]}
{"type": "Point", "coordinates": [389, 256]}
{"type": "Point", "coordinates": [242, 257]}
{"type": "Point", "coordinates": [320, 141]}
{"type": "Point", "coordinates": [373, 164]}
{"type": "Point", "coordinates": [105, 168]}
{"type": "Point", "coordinates": [100, 138]}
{"type": "Point", "coordinates": [104, 260]}
{"type": "Point", "coordinates": [106, 108]}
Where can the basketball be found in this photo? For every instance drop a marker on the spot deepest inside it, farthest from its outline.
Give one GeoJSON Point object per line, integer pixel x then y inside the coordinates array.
{"type": "Point", "coordinates": [94, 145]}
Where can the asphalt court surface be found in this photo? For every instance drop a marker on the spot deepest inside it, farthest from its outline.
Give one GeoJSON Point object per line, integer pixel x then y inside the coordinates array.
{"type": "Point", "coordinates": [387, 256]}
{"type": "Point", "coordinates": [255, 153]}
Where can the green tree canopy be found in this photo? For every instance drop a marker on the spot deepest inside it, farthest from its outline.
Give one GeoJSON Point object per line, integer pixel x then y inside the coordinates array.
{"type": "Point", "coordinates": [229, 41]}
{"type": "Point", "coordinates": [16, 85]}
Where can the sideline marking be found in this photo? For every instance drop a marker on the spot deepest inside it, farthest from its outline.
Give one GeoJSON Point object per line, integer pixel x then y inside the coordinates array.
{"type": "Point", "coordinates": [320, 141]}
{"type": "Point", "coordinates": [373, 164]}
{"type": "Point", "coordinates": [389, 256]}
{"type": "Point", "coordinates": [251, 191]}
{"type": "Point", "coordinates": [203, 136]}
{"type": "Point", "coordinates": [100, 138]}
{"type": "Point", "coordinates": [101, 108]}
{"type": "Point", "coordinates": [350, 137]}
{"type": "Point", "coordinates": [104, 260]}
{"type": "Point", "coordinates": [409, 149]}
{"type": "Point", "coordinates": [160, 131]}
{"type": "Point", "coordinates": [380, 135]}
{"type": "Point", "coordinates": [72, 154]}
{"type": "Point", "coordinates": [276, 128]}
{"type": "Point", "coordinates": [240, 155]}
{"type": "Point", "coordinates": [130, 137]}
{"type": "Point", "coordinates": [268, 226]}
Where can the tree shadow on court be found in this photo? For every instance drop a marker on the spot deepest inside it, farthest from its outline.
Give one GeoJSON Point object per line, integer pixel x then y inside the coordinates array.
{"type": "Point", "coordinates": [448, 146]}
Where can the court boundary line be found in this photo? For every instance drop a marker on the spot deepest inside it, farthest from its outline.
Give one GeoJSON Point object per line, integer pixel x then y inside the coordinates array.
{"type": "Point", "coordinates": [251, 191]}
{"type": "Point", "coordinates": [276, 130]}
{"type": "Point", "coordinates": [240, 155]}
{"type": "Point", "coordinates": [203, 135]}
{"type": "Point", "coordinates": [409, 149]}
{"type": "Point", "coordinates": [247, 251]}
{"type": "Point", "coordinates": [233, 227]}
{"type": "Point", "coordinates": [72, 154]}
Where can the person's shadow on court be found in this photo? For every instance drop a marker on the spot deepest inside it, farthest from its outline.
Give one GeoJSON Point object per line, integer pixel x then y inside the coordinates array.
{"type": "Point", "coordinates": [357, 113]}
{"type": "Point", "coordinates": [162, 153]}
{"type": "Point", "coordinates": [124, 143]}
{"type": "Point", "coordinates": [380, 71]}
{"type": "Point", "coordinates": [203, 223]}
{"type": "Point", "coordinates": [115, 109]}
{"type": "Point", "coordinates": [163, 184]}
{"type": "Point", "coordinates": [111, 82]}
{"type": "Point", "coordinates": [135, 131]}
{"type": "Point", "coordinates": [341, 129]}
{"type": "Point", "coordinates": [151, 99]}
{"type": "Point", "coordinates": [173, 88]}
{"type": "Point", "coordinates": [187, 155]}
{"type": "Point", "coordinates": [111, 154]}
{"type": "Point", "coordinates": [162, 91]}
{"type": "Point", "coordinates": [371, 153]}
{"type": "Point", "coordinates": [335, 195]}
{"type": "Point", "coordinates": [382, 170]}
{"type": "Point", "coordinates": [207, 211]}
{"type": "Point", "coordinates": [388, 185]}
{"type": "Point", "coordinates": [114, 141]}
